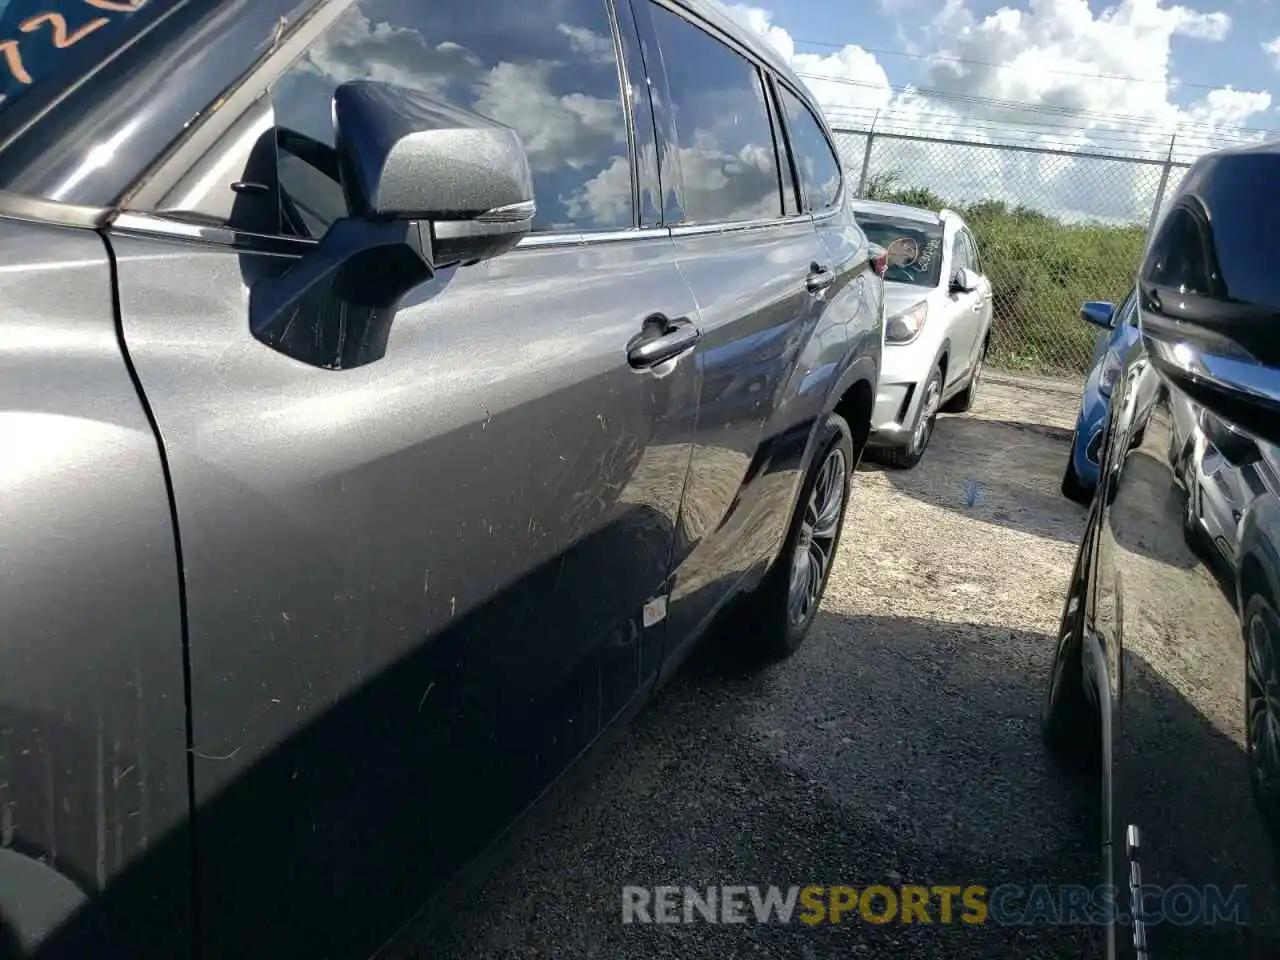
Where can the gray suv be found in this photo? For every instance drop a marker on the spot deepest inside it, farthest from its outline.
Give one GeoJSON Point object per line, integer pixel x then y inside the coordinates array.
{"type": "Point", "coordinates": [390, 395]}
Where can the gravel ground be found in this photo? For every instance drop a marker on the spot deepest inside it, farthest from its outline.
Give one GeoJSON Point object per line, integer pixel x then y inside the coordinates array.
{"type": "Point", "coordinates": [900, 745]}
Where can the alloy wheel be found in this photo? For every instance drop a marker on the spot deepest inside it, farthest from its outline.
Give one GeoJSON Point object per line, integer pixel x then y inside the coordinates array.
{"type": "Point", "coordinates": [1263, 692]}
{"type": "Point", "coordinates": [819, 530]}
{"type": "Point", "coordinates": [928, 412]}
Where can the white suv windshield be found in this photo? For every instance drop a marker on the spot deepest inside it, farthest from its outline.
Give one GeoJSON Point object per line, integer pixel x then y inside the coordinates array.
{"type": "Point", "coordinates": [914, 248]}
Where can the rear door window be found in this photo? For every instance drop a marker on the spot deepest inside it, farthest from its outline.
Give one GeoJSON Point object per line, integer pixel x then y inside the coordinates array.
{"type": "Point", "coordinates": [975, 261]}
{"type": "Point", "coordinates": [959, 254]}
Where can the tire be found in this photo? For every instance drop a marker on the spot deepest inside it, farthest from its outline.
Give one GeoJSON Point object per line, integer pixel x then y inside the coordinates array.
{"type": "Point", "coordinates": [1073, 487]}
{"type": "Point", "coordinates": [1260, 626]}
{"type": "Point", "coordinates": [1069, 722]}
{"type": "Point", "coordinates": [904, 458]}
{"type": "Point", "coordinates": [962, 402]}
{"type": "Point", "coordinates": [774, 623]}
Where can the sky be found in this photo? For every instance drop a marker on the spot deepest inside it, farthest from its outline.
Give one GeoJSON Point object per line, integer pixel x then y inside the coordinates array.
{"type": "Point", "coordinates": [1119, 77]}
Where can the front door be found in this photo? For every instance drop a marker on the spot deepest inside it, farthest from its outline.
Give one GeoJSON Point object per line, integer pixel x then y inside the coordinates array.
{"type": "Point", "coordinates": [415, 587]}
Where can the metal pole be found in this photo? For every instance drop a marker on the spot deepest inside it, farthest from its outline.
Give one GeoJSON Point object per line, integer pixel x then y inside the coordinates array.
{"type": "Point", "coordinates": [866, 157]}
{"type": "Point", "coordinates": [1164, 182]}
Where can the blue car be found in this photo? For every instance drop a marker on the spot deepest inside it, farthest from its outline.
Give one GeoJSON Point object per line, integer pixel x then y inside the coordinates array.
{"type": "Point", "coordinates": [1119, 331]}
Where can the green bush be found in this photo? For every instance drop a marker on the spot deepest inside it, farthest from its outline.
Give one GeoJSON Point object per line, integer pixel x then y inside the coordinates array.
{"type": "Point", "coordinates": [1041, 270]}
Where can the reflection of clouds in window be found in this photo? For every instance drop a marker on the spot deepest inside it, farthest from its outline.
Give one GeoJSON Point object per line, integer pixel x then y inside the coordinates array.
{"type": "Point", "coordinates": [574, 130]}
{"type": "Point", "coordinates": [552, 79]}
{"type": "Point", "coordinates": [605, 198]}
{"type": "Point", "coordinates": [357, 49]}
{"type": "Point", "coordinates": [726, 141]}
{"type": "Point", "coordinates": [745, 185]}
{"type": "Point", "coordinates": [816, 163]}
{"type": "Point", "coordinates": [592, 46]}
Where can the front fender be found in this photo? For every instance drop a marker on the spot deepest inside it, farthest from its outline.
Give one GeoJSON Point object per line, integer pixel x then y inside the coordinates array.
{"type": "Point", "coordinates": [93, 759]}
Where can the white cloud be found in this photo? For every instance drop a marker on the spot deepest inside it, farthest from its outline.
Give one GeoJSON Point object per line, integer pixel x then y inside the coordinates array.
{"type": "Point", "coordinates": [1056, 55]}
{"type": "Point", "coordinates": [852, 77]}
{"type": "Point", "coordinates": [1272, 49]}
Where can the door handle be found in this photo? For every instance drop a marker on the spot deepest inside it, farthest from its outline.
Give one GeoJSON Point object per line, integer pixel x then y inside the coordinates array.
{"type": "Point", "coordinates": [820, 277]}
{"type": "Point", "coordinates": [661, 340]}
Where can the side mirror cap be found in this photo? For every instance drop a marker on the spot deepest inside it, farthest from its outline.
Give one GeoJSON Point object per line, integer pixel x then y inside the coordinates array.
{"type": "Point", "coordinates": [407, 156]}
{"type": "Point", "coordinates": [1100, 313]}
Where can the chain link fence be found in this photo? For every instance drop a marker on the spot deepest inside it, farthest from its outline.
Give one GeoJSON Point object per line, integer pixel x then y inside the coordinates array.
{"type": "Point", "coordinates": [1054, 228]}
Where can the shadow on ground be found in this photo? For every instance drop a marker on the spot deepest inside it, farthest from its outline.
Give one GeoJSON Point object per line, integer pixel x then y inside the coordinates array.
{"type": "Point", "coordinates": [889, 750]}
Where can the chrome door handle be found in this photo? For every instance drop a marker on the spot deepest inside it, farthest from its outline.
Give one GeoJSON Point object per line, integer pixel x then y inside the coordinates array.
{"type": "Point", "coordinates": [661, 340]}
{"type": "Point", "coordinates": [819, 278]}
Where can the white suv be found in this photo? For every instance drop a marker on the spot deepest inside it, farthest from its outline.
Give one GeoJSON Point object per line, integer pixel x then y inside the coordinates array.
{"type": "Point", "coordinates": [937, 323]}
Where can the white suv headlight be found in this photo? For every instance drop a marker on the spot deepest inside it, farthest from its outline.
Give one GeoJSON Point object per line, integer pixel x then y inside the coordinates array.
{"type": "Point", "coordinates": [906, 326]}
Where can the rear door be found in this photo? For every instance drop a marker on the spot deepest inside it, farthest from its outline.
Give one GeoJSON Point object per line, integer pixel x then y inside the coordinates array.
{"type": "Point", "coordinates": [414, 587]}
{"type": "Point", "coordinates": [747, 259]}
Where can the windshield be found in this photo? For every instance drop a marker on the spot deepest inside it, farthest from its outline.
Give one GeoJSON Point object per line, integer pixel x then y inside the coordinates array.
{"type": "Point", "coordinates": [914, 248]}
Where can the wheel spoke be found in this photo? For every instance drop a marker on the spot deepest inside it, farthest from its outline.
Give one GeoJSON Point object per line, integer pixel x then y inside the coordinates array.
{"type": "Point", "coordinates": [818, 560]}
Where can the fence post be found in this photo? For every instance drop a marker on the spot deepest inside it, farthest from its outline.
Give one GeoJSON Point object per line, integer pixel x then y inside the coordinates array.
{"type": "Point", "coordinates": [1164, 182]}
{"type": "Point", "coordinates": [866, 157]}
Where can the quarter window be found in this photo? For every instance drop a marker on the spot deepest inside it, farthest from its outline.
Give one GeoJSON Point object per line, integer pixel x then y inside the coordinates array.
{"type": "Point", "coordinates": [547, 70]}
{"type": "Point", "coordinates": [816, 162]}
{"type": "Point", "coordinates": [726, 149]}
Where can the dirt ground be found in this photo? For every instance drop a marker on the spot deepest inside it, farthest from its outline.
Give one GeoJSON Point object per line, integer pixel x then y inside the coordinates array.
{"type": "Point", "coordinates": [900, 745]}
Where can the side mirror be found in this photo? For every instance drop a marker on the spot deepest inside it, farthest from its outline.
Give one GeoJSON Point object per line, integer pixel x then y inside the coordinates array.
{"type": "Point", "coordinates": [426, 186]}
{"type": "Point", "coordinates": [879, 258]}
{"type": "Point", "coordinates": [1098, 312]}
{"type": "Point", "coordinates": [964, 281]}
{"type": "Point", "coordinates": [1209, 294]}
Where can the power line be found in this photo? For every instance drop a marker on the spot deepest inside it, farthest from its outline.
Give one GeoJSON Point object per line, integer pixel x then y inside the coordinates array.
{"type": "Point", "coordinates": [1023, 106]}
{"type": "Point", "coordinates": [880, 51]}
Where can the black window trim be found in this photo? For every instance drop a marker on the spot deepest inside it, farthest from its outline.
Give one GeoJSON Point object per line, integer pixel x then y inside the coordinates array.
{"type": "Point", "coordinates": [839, 200]}
{"type": "Point", "coordinates": [782, 149]}
{"type": "Point", "coordinates": [765, 73]}
{"type": "Point", "coordinates": [138, 204]}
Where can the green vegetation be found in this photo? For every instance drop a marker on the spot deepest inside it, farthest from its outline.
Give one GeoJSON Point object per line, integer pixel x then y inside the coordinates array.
{"type": "Point", "coordinates": [1041, 270]}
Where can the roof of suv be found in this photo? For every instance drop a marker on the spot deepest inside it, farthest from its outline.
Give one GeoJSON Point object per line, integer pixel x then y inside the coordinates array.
{"type": "Point", "coordinates": [903, 211]}
{"type": "Point", "coordinates": [900, 210]}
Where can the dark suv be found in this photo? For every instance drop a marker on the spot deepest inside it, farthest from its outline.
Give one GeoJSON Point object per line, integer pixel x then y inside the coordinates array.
{"type": "Point", "coordinates": [1166, 682]}
{"type": "Point", "coordinates": [390, 394]}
